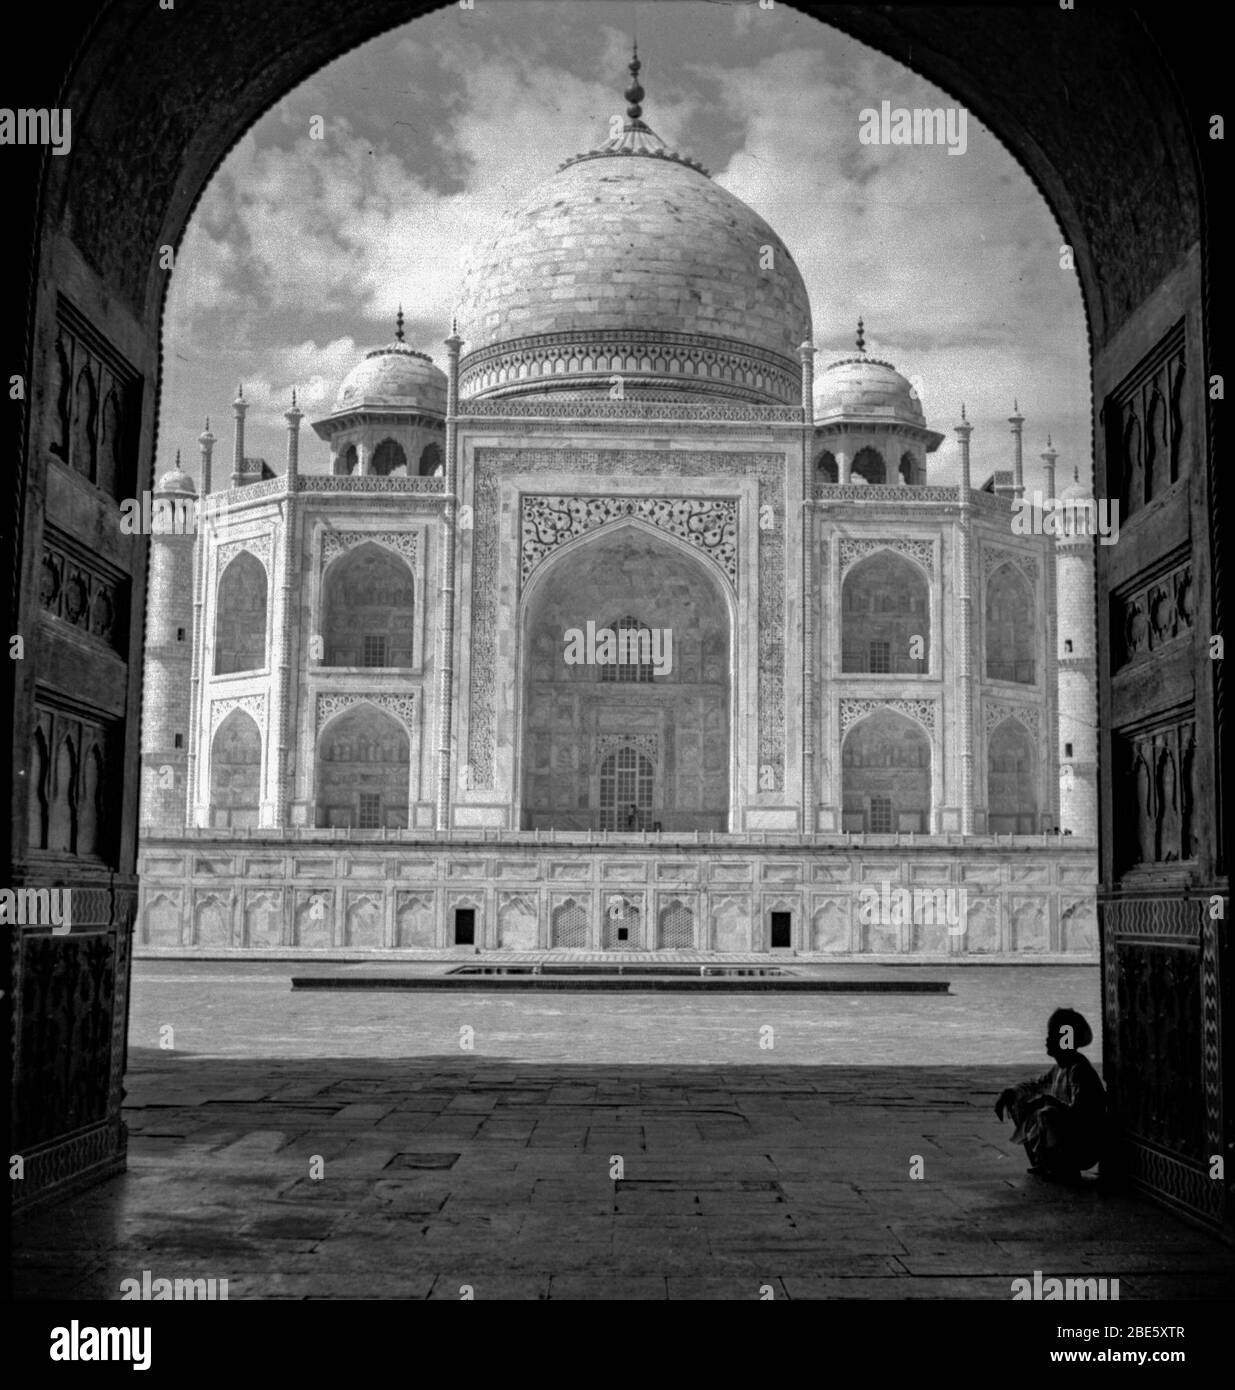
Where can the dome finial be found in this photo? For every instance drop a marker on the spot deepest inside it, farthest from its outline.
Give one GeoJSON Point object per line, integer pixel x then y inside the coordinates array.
{"type": "Point", "coordinates": [399, 324]}
{"type": "Point", "coordinates": [963, 415]}
{"type": "Point", "coordinates": [634, 93]}
{"type": "Point", "coordinates": [861, 337]}
{"type": "Point", "coordinates": [177, 460]}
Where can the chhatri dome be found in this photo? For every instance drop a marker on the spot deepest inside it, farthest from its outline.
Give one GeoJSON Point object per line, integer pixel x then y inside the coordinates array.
{"type": "Point", "coordinates": [865, 390]}
{"type": "Point", "coordinates": [631, 260]}
{"type": "Point", "coordinates": [176, 480]}
{"type": "Point", "coordinates": [395, 376]}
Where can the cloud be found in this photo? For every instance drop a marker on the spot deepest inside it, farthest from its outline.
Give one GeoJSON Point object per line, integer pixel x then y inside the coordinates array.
{"type": "Point", "coordinates": [432, 132]}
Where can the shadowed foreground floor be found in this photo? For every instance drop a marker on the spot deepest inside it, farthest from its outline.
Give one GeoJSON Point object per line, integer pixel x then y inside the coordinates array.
{"type": "Point", "coordinates": [444, 1171]}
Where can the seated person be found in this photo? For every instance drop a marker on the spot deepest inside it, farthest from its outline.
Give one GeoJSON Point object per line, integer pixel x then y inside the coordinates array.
{"type": "Point", "coordinates": [1060, 1117]}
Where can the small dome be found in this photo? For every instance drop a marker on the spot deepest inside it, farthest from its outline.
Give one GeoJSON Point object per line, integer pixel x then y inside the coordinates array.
{"type": "Point", "coordinates": [394, 376]}
{"type": "Point", "coordinates": [865, 390]}
{"type": "Point", "coordinates": [1076, 490]}
{"type": "Point", "coordinates": [176, 481]}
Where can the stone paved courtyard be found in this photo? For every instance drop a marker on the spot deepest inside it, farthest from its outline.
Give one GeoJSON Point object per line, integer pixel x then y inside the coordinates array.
{"type": "Point", "coordinates": [741, 1167]}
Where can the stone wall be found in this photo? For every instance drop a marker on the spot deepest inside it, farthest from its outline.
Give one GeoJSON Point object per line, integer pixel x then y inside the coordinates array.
{"type": "Point", "coordinates": [1025, 899]}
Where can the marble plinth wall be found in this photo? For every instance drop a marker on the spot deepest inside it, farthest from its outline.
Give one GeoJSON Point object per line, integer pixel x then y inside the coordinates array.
{"type": "Point", "coordinates": [218, 894]}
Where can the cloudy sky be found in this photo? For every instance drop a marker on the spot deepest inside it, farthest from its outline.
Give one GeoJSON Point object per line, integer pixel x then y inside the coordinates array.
{"type": "Point", "coordinates": [300, 249]}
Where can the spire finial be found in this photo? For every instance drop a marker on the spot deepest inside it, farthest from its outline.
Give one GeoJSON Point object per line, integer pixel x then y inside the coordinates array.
{"type": "Point", "coordinates": [177, 460]}
{"type": "Point", "coordinates": [634, 93]}
{"type": "Point", "coordinates": [207, 424]}
{"type": "Point", "coordinates": [963, 415]}
{"type": "Point", "coordinates": [861, 337]}
{"type": "Point", "coordinates": [399, 324]}
{"type": "Point", "coordinates": [293, 398]}
{"type": "Point", "coordinates": [1049, 445]}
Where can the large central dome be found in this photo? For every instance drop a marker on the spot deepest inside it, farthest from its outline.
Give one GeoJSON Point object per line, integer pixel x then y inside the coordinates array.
{"type": "Point", "coordinates": [631, 262]}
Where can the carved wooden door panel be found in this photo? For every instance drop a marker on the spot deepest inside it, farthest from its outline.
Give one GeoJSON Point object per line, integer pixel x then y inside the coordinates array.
{"type": "Point", "coordinates": [1161, 834]}
{"type": "Point", "coordinates": [75, 733]}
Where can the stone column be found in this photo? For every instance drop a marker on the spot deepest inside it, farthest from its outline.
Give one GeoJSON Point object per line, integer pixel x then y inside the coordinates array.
{"type": "Point", "coordinates": [446, 629]}
{"type": "Point", "coordinates": [964, 646]}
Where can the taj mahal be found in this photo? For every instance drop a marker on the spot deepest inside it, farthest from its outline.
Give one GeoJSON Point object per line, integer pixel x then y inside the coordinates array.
{"type": "Point", "coordinates": [371, 724]}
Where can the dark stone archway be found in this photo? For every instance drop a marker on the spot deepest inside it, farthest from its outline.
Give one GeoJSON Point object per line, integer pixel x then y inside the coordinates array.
{"type": "Point", "coordinates": [1087, 101]}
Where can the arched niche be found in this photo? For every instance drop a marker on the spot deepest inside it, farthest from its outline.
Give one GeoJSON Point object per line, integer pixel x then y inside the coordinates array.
{"type": "Point", "coordinates": [1011, 780]}
{"type": "Point", "coordinates": [1011, 636]}
{"type": "Point", "coordinates": [36, 792]}
{"type": "Point", "coordinates": [236, 772]}
{"type": "Point", "coordinates": [368, 609]}
{"type": "Point", "coordinates": [85, 424]}
{"type": "Point", "coordinates": [431, 465]}
{"type": "Point", "coordinates": [908, 468]}
{"type": "Point", "coordinates": [886, 775]}
{"type": "Point", "coordinates": [886, 617]}
{"type": "Point", "coordinates": [346, 461]}
{"type": "Point", "coordinates": [389, 459]}
{"type": "Point", "coordinates": [92, 817]}
{"type": "Point", "coordinates": [826, 470]}
{"type": "Point", "coordinates": [571, 719]}
{"type": "Point", "coordinates": [62, 818]}
{"type": "Point", "coordinates": [868, 464]}
{"type": "Point", "coordinates": [361, 771]}
{"type": "Point", "coordinates": [240, 619]}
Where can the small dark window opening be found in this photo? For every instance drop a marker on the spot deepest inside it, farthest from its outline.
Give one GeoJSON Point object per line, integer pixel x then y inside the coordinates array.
{"type": "Point", "coordinates": [178, 741]}
{"type": "Point", "coordinates": [180, 634]}
{"type": "Point", "coordinates": [1067, 644]}
{"type": "Point", "coordinates": [782, 931]}
{"type": "Point", "coordinates": [1067, 750]}
{"type": "Point", "coordinates": [465, 926]}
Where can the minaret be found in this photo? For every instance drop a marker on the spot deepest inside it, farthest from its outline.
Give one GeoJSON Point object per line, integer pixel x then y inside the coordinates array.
{"type": "Point", "coordinates": [1017, 421]}
{"type": "Point", "coordinates": [1050, 594]}
{"type": "Point", "coordinates": [239, 406]}
{"type": "Point", "coordinates": [1078, 704]}
{"type": "Point", "coordinates": [446, 630]}
{"type": "Point", "coordinates": [288, 550]}
{"type": "Point", "coordinates": [168, 663]}
{"type": "Point", "coordinates": [207, 442]}
{"type": "Point", "coordinates": [965, 630]}
{"type": "Point", "coordinates": [810, 793]}
{"type": "Point", "coordinates": [293, 416]}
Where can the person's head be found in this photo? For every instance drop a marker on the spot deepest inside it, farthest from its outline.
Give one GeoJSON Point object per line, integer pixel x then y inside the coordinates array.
{"type": "Point", "coordinates": [1066, 1030]}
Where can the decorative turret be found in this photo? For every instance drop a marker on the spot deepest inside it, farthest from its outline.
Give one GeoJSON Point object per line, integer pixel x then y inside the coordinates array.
{"type": "Point", "coordinates": [389, 415]}
{"type": "Point", "coordinates": [869, 424]}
